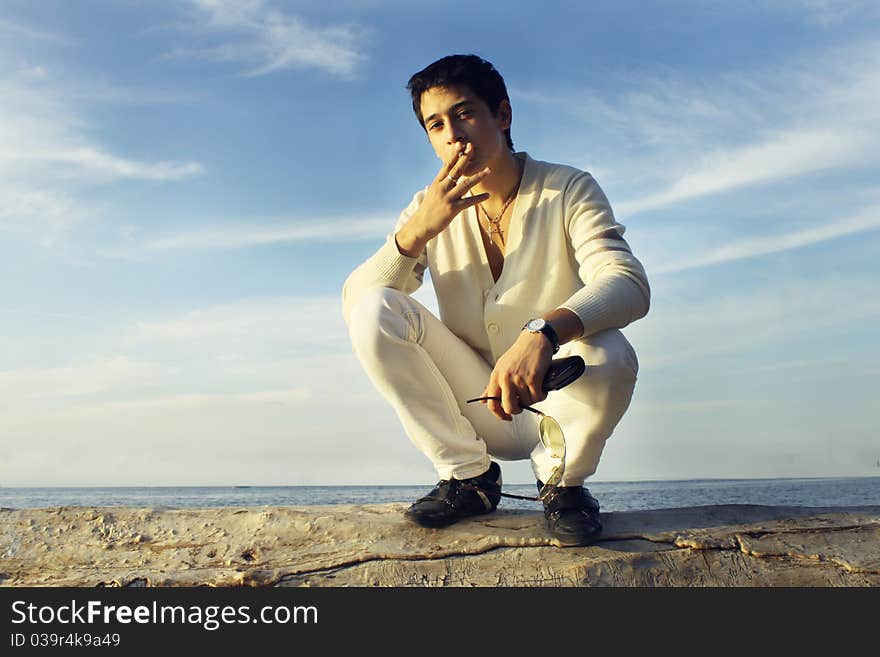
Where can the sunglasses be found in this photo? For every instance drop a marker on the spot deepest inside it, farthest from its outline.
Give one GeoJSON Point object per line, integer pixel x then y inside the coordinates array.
{"type": "Point", "coordinates": [553, 441]}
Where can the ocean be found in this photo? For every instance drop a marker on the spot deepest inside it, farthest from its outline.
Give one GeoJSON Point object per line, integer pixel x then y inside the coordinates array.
{"type": "Point", "coordinates": [613, 496]}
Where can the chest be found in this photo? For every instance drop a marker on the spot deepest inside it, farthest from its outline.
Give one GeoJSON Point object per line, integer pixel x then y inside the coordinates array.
{"type": "Point", "coordinates": [494, 244]}
{"type": "Point", "coordinates": [465, 260]}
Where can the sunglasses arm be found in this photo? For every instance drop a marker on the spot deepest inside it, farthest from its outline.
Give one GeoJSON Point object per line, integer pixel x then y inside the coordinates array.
{"type": "Point", "coordinates": [525, 408]}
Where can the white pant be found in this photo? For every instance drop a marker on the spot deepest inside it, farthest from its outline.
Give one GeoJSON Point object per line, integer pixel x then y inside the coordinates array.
{"type": "Point", "coordinates": [427, 373]}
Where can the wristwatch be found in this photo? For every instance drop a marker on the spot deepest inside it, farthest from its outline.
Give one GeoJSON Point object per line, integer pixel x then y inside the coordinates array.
{"type": "Point", "coordinates": [542, 326]}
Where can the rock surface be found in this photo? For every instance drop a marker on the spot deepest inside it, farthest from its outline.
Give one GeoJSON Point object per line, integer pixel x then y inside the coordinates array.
{"type": "Point", "coordinates": [372, 545]}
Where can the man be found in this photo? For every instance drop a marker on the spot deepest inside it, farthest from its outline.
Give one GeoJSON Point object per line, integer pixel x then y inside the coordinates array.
{"type": "Point", "coordinates": [527, 261]}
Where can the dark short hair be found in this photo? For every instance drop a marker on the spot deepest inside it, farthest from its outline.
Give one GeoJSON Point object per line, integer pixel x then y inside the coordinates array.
{"type": "Point", "coordinates": [471, 71]}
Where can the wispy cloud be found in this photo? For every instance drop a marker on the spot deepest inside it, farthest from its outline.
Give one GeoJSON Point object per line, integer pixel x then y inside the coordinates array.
{"type": "Point", "coordinates": [97, 91]}
{"type": "Point", "coordinates": [309, 230]}
{"type": "Point", "coordinates": [866, 220]}
{"type": "Point", "coordinates": [268, 40]}
{"type": "Point", "coordinates": [778, 158]}
{"type": "Point", "coordinates": [48, 156]}
{"type": "Point", "coordinates": [30, 32]}
{"type": "Point", "coordinates": [229, 351]}
{"type": "Point", "coordinates": [828, 13]}
{"type": "Point", "coordinates": [260, 322]}
{"type": "Point", "coordinates": [85, 378]}
{"type": "Point", "coordinates": [93, 163]}
{"type": "Point", "coordinates": [197, 401]}
{"type": "Point", "coordinates": [680, 332]}
{"type": "Point", "coordinates": [23, 205]}
{"type": "Point", "coordinates": [665, 139]}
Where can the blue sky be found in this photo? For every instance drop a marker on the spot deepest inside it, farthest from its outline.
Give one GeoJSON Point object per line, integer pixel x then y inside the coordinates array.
{"type": "Point", "coordinates": [184, 186]}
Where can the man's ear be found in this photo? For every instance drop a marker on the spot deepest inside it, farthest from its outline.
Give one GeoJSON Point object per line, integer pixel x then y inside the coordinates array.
{"type": "Point", "coordinates": [504, 115]}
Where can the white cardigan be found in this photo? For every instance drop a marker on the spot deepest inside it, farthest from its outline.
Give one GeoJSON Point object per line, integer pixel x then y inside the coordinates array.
{"type": "Point", "coordinates": [564, 250]}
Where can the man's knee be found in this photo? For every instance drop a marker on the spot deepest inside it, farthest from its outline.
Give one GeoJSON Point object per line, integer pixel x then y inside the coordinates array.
{"type": "Point", "coordinates": [381, 313]}
{"type": "Point", "coordinates": [611, 359]}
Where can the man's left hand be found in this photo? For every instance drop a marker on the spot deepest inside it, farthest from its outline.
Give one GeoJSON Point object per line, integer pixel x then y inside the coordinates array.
{"type": "Point", "coordinates": [518, 375]}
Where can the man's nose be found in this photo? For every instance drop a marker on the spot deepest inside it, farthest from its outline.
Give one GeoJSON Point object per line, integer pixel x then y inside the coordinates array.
{"type": "Point", "coordinates": [455, 135]}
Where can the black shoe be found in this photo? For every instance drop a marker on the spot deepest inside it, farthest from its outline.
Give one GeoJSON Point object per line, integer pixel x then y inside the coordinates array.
{"type": "Point", "coordinates": [454, 499]}
{"type": "Point", "coordinates": [572, 515]}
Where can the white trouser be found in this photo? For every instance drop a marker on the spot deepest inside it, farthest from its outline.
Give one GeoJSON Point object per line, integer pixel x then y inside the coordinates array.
{"type": "Point", "coordinates": [427, 373]}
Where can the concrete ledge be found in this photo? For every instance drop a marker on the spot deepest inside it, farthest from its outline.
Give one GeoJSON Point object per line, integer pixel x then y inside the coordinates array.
{"type": "Point", "coordinates": [372, 545]}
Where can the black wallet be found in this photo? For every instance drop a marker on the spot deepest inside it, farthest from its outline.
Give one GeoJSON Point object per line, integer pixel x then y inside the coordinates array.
{"type": "Point", "coordinates": [563, 371]}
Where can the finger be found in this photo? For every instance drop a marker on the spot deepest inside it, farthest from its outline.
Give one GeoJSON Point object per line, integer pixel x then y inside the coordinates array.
{"type": "Point", "coordinates": [509, 400]}
{"type": "Point", "coordinates": [524, 395]}
{"type": "Point", "coordinates": [468, 201]}
{"type": "Point", "coordinates": [460, 161]}
{"type": "Point", "coordinates": [446, 169]}
{"type": "Point", "coordinates": [465, 183]}
{"type": "Point", "coordinates": [456, 176]}
{"type": "Point", "coordinates": [499, 412]}
{"type": "Point", "coordinates": [536, 393]}
{"type": "Point", "coordinates": [495, 408]}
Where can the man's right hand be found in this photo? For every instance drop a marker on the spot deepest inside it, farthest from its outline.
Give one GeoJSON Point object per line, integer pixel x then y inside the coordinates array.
{"type": "Point", "coordinates": [443, 201]}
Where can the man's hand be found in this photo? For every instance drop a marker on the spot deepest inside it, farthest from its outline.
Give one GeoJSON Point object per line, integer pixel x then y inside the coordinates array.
{"type": "Point", "coordinates": [518, 375]}
{"type": "Point", "coordinates": [444, 199]}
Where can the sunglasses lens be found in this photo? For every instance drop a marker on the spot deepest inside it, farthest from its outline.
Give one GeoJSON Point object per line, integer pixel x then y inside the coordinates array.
{"type": "Point", "coordinates": [552, 482]}
{"type": "Point", "coordinates": [554, 442]}
{"type": "Point", "coordinates": [552, 438]}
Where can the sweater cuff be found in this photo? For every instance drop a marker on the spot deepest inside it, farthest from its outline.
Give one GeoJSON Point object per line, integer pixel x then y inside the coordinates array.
{"type": "Point", "coordinates": [592, 310]}
{"type": "Point", "coordinates": [392, 265]}
{"type": "Point", "coordinates": [611, 302]}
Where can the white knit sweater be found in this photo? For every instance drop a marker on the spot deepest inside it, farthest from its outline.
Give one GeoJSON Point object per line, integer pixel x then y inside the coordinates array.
{"type": "Point", "coordinates": [564, 250]}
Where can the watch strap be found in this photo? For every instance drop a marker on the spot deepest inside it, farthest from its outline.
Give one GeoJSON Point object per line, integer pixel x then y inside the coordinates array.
{"type": "Point", "coordinates": [548, 331]}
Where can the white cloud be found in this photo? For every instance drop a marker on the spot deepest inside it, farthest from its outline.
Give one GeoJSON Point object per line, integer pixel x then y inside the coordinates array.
{"type": "Point", "coordinates": [866, 220]}
{"type": "Point", "coordinates": [92, 163]}
{"type": "Point", "coordinates": [29, 32]}
{"type": "Point", "coordinates": [43, 136]}
{"type": "Point", "coordinates": [268, 40]}
{"type": "Point", "coordinates": [238, 236]}
{"type": "Point", "coordinates": [49, 161]}
{"type": "Point", "coordinates": [255, 325]}
{"type": "Point", "coordinates": [47, 157]}
{"type": "Point", "coordinates": [665, 139]}
{"type": "Point", "coordinates": [680, 331]}
{"type": "Point", "coordinates": [85, 378]}
{"type": "Point", "coordinates": [780, 157]}
{"type": "Point", "coordinates": [264, 391]}
{"type": "Point", "coordinates": [828, 13]}
{"type": "Point", "coordinates": [21, 204]}
{"type": "Point", "coordinates": [194, 401]}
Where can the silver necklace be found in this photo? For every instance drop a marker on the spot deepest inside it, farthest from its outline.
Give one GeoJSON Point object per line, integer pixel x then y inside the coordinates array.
{"type": "Point", "coordinates": [495, 224]}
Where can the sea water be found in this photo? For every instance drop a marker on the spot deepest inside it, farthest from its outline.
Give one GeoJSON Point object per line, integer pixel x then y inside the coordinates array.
{"type": "Point", "coordinates": [613, 496]}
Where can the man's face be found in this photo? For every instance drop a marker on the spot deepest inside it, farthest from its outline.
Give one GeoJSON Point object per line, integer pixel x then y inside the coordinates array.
{"type": "Point", "coordinates": [455, 114]}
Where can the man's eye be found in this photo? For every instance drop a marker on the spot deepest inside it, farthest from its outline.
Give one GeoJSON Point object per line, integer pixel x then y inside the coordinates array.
{"type": "Point", "coordinates": [435, 124]}
{"type": "Point", "coordinates": [464, 114]}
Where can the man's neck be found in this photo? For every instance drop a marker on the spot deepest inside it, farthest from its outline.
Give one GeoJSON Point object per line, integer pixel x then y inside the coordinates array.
{"type": "Point", "coordinates": [500, 183]}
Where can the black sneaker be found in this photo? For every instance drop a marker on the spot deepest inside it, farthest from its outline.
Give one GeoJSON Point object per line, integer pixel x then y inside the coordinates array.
{"type": "Point", "coordinates": [572, 515]}
{"type": "Point", "coordinates": [454, 499]}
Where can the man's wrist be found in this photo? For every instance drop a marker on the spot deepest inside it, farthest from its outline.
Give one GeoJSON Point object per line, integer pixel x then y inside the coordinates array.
{"type": "Point", "coordinates": [408, 243]}
{"type": "Point", "coordinates": [539, 325]}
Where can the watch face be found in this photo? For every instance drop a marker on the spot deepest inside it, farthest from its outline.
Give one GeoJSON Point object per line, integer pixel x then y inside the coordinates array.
{"type": "Point", "coordinates": [535, 324]}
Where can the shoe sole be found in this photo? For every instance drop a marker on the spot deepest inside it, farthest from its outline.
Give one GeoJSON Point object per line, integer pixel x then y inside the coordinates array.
{"type": "Point", "coordinates": [560, 539]}
{"type": "Point", "coordinates": [439, 523]}
{"type": "Point", "coordinates": [573, 541]}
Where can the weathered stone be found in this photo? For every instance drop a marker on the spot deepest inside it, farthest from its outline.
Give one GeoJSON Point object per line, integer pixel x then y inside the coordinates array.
{"type": "Point", "coordinates": [372, 545]}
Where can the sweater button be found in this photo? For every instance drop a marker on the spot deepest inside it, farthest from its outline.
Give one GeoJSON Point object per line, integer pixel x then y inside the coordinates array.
{"type": "Point", "coordinates": [493, 327]}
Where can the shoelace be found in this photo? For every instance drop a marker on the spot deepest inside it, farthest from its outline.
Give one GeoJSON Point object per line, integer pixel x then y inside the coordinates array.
{"type": "Point", "coordinates": [510, 495]}
{"type": "Point", "coordinates": [447, 488]}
